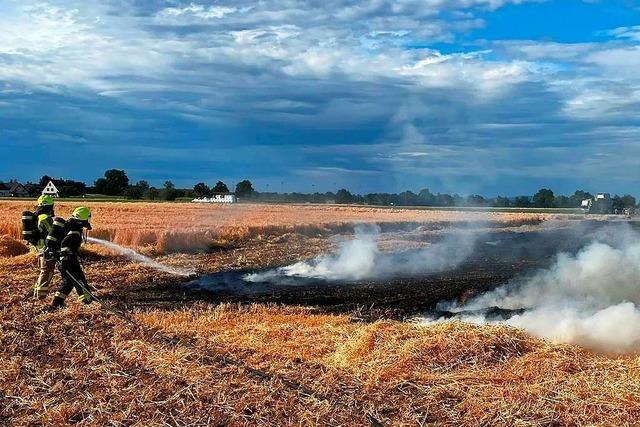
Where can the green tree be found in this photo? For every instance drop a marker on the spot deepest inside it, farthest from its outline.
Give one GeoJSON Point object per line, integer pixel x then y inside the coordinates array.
{"type": "Point", "coordinates": [45, 180]}
{"type": "Point", "coordinates": [152, 194]}
{"type": "Point", "coordinates": [133, 193]}
{"type": "Point", "coordinates": [426, 197]}
{"type": "Point", "coordinates": [169, 191]}
{"type": "Point", "coordinates": [201, 190]}
{"type": "Point", "coordinates": [408, 198]}
{"type": "Point", "coordinates": [562, 202]}
{"type": "Point", "coordinates": [220, 187]}
{"type": "Point", "coordinates": [142, 185]}
{"type": "Point", "coordinates": [502, 202]}
{"type": "Point", "coordinates": [522, 202]}
{"type": "Point", "coordinates": [244, 189]}
{"type": "Point", "coordinates": [343, 196]}
{"type": "Point", "coordinates": [628, 201]}
{"type": "Point", "coordinates": [476, 200]}
{"type": "Point", "coordinates": [70, 188]}
{"type": "Point", "coordinates": [448, 200]}
{"type": "Point", "coordinates": [543, 198]}
{"type": "Point", "coordinates": [114, 183]}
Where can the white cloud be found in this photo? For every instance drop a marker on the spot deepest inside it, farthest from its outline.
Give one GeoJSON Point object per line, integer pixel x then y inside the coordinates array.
{"type": "Point", "coordinates": [598, 102]}
{"type": "Point", "coordinates": [630, 33]}
{"type": "Point", "coordinates": [616, 63]}
{"type": "Point", "coordinates": [51, 46]}
{"type": "Point", "coordinates": [334, 66]}
{"type": "Point", "coordinates": [197, 11]}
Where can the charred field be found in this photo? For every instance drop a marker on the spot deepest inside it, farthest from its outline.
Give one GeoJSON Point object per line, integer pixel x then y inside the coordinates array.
{"type": "Point", "coordinates": [499, 255]}
{"type": "Point", "coordinates": [349, 339]}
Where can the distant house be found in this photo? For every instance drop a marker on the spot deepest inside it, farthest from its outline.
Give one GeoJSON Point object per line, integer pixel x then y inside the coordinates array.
{"type": "Point", "coordinates": [17, 189]}
{"type": "Point", "coordinates": [13, 189]}
{"type": "Point", "coordinates": [217, 198]}
{"type": "Point", "coordinates": [51, 190]}
{"type": "Point", "coordinates": [4, 189]}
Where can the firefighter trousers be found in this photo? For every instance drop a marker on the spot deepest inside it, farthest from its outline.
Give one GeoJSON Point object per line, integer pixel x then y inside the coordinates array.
{"type": "Point", "coordinates": [47, 268]}
{"type": "Point", "coordinates": [71, 267]}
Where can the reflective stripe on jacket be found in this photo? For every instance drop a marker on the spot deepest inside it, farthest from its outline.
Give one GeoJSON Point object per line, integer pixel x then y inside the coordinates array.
{"type": "Point", "coordinates": [71, 243]}
{"type": "Point", "coordinates": [45, 225]}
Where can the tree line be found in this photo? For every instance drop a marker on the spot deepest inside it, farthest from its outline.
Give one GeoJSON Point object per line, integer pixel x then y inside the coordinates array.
{"type": "Point", "coordinates": [544, 198]}
{"type": "Point", "coordinates": [115, 182]}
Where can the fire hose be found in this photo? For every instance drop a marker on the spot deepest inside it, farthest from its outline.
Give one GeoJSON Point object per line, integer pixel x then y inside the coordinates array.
{"type": "Point", "coordinates": [219, 358]}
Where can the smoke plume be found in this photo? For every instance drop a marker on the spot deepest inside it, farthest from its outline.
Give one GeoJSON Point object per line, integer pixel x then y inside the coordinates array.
{"type": "Point", "coordinates": [590, 298]}
{"type": "Point", "coordinates": [360, 258]}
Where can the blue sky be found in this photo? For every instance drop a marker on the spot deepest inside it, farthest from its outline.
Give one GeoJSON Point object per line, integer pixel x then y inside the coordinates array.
{"type": "Point", "coordinates": [468, 96]}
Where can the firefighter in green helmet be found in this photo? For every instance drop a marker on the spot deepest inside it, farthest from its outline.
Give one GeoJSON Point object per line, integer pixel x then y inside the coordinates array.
{"type": "Point", "coordinates": [69, 265]}
{"type": "Point", "coordinates": [46, 259]}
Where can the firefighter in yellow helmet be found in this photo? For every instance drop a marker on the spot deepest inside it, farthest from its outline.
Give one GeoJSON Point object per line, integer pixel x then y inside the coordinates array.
{"type": "Point", "coordinates": [70, 267]}
{"type": "Point", "coordinates": [46, 259]}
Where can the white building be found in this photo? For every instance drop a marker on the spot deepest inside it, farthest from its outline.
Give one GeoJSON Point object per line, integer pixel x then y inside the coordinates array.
{"type": "Point", "coordinates": [51, 190]}
{"type": "Point", "coordinates": [217, 198]}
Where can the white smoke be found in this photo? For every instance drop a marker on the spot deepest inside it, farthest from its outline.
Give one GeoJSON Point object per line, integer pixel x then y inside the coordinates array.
{"type": "Point", "coordinates": [360, 258]}
{"type": "Point", "coordinates": [590, 298]}
{"type": "Point", "coordinates": [135, 256]}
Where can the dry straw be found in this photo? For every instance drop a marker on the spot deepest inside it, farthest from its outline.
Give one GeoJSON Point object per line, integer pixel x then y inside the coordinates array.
{"type": "Point", "coordinates": [84, 367]}
{"type": "Point", "coordinates": [174, 227]}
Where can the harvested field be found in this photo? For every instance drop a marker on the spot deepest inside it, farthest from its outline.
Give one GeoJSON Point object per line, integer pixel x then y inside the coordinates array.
{"type": "Point", "coordinates": [171, 227]}
{"type": "Point", "coordinates": [87, 367]}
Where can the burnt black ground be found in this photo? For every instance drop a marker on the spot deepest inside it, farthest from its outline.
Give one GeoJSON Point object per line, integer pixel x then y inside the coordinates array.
{"type": "Point", "coordinates": [500, 256]}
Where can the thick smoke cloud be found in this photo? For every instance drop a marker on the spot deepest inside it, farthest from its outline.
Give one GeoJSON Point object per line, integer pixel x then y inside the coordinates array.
{"type": "Point", "coordinates": [361, 258]}
{"type": "Point", "coordinates": [590, 298]}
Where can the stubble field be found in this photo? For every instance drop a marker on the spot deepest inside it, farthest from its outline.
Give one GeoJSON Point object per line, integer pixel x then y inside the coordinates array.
{"type": "Point", "coordinates": [194, 362]}
{"type": "Point", "coordinates": [174, 227]}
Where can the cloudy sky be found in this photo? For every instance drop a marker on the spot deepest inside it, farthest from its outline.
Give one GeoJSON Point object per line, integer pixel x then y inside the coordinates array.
{"type": "Point", "coordinates": [468, 96]}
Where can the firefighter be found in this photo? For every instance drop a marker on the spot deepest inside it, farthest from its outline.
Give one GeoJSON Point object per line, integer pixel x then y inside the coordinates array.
{"type": "Point", "coordinates": [46, 259]}
{"type": "Point", "coordinates": [69, 265]}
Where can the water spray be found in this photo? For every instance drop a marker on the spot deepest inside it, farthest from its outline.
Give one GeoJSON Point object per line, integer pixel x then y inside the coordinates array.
{"type": "Point", "coordinates": [138, 257]}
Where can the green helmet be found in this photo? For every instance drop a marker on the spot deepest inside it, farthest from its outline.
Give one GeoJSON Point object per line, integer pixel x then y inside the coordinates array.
{"type": "Point", "coordinates": [82, 214]}
{"type": "Point", "coordinates": [45, 200]}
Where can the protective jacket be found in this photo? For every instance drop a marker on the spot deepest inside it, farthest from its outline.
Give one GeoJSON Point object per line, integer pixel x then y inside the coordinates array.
{"type": "Point", "coordinates": [45, 225]}
{"type": "Point", "coordinates": [70, 267]}
{"type": "Point", "coordinates": [72, 240]}
{"type": "Point", "coordinates": [56, 235]}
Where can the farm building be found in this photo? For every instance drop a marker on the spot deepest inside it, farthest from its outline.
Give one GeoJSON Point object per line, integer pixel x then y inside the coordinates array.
{"type": "Point", "coordinates": [601, 204]}
{"type": "Point", "coordinates": [217, 198]}
{"type": "Point", "coordinates": [51, 190]}
{"type": "Point", "coordinates": [13, 189]}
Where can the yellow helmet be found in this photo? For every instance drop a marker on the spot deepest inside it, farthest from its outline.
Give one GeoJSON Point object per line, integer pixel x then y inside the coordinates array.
{"type": "Point", "coordinates": [82, 214]}
{"type": "Point", "coordinates": [45, 200]}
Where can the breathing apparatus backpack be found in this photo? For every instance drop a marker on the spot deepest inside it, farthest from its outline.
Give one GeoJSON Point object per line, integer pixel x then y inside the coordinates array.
{"type": "Point", "coordinates": [30, 231]}
{"type": "Point", "coordinates": [57, 233]}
